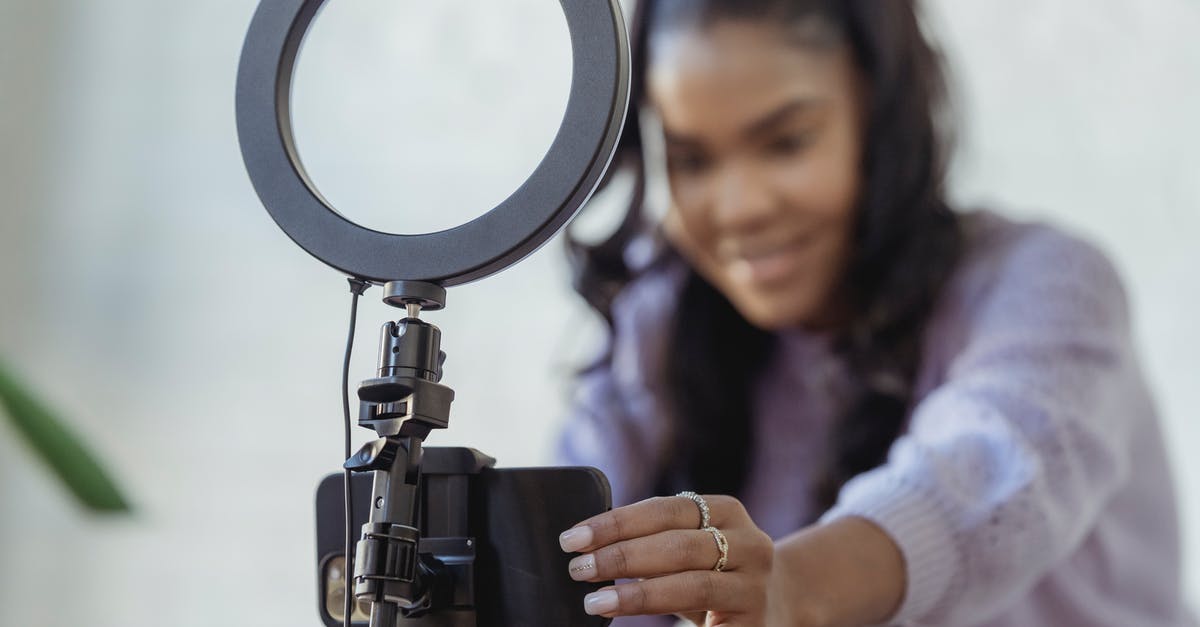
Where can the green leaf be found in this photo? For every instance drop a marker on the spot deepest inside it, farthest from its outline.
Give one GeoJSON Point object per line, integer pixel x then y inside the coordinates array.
{"type": "Point", "coordinates": [78, 469]}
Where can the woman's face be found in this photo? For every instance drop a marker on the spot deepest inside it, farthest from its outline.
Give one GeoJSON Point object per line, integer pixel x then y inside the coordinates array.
{"type": "Point", "coordinates": [763, 141]}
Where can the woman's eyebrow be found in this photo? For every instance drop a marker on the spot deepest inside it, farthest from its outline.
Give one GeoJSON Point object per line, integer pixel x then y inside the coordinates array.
{"type": "Point", "coordinates": [780, 114]}
{"type": "Point", "coordinates": [758, 126]}
{"type": "Point", "coordinates": [681, 141]}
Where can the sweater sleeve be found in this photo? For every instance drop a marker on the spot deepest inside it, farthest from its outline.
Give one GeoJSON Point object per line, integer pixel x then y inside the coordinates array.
{"type": "Point", "coordinates": [1007, 464]}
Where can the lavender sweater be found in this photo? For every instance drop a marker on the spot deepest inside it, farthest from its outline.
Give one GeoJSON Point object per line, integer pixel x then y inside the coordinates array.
{"type": "Point", "coordinates": [1030, 486]}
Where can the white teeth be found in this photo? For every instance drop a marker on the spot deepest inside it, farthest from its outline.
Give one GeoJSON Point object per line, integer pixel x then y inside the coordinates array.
{"type": "Point", "coordinates": [763, 254]}
{"type": "Point", "coordinates": [734, 252]}
{"type": "Point", "coordinates": [767, 265]}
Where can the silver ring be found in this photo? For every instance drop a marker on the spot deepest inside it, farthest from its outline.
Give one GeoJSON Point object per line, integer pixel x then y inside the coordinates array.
{"type": "Point", "coordinates": [701, 503]}
{"type": "Point", "coordinates": [722, 546]}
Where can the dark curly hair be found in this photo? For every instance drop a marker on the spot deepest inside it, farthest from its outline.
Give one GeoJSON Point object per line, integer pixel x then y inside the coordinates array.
{"type": "Point", "coordinates": [906, 242]}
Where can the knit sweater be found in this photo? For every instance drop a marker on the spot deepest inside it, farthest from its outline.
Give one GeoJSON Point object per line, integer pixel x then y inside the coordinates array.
{"type": "Point", "coordinates": [1029, 486]}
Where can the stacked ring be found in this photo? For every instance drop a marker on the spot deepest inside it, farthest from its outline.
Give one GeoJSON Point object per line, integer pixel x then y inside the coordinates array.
{"type": "Point", "coordinates": [722, 543]}
{"type": "Point", "coordinates": [702, 504]}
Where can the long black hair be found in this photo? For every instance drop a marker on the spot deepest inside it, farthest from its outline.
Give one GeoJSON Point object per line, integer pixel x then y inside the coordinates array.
{"type": "Point", "coordinates": [906, 242]}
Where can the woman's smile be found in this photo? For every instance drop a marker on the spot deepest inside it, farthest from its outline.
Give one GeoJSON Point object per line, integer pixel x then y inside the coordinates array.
{"type": "Point", "coordinates": [766, 264]}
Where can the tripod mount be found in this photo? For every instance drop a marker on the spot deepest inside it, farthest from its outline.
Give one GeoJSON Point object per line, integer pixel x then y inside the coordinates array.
{"type": "Point", "coordinates": [403, 404]}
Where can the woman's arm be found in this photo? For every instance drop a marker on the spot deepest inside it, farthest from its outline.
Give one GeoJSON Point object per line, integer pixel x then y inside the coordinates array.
{"type": "Point", "coordinates": [1008, 463]}
{"type": "Point", "coordinates": [846, 572]}
{"type": "Point", "coordinates": [1002, 473]}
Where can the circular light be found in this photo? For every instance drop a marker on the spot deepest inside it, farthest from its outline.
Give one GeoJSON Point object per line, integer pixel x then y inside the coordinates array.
{"type": "Point", "coordinates": [554, 192]}
{"type": "Point", "coordinates": [397, 103]}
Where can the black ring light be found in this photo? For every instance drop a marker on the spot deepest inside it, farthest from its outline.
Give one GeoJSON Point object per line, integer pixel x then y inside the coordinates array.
{"type": "Point", "coordinates": [558, 187]}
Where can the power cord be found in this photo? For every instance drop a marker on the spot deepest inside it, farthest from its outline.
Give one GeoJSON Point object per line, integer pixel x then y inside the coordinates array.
{"type": "Point", "coordinates": [357, 287]}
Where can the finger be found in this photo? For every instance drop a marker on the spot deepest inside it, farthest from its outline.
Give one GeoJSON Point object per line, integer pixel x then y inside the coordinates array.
{"type": "Point", "coordinates": [649, 517]}
{"type": "Point", "coordinates": [681, 593]}
{"type": "Point", "coordinates": [667, 552]}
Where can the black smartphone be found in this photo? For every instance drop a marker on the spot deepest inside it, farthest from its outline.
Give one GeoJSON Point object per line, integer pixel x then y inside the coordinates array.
{"type": "Point", "coordinates": [514, 516]}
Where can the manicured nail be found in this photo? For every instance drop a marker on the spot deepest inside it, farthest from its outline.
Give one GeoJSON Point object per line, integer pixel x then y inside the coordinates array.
{"type": "Point", "coordinates": [575, 539]}
{"type": "Point", "coordinates": [602, 602]}
{"type": "Point", "coordinates": [583, 567]}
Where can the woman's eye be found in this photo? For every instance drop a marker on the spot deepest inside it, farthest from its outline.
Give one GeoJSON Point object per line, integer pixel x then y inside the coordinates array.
{"type": "Point", "coordinates": [788, 145]}
{"type": "Point", "coordinates": [687, 163]}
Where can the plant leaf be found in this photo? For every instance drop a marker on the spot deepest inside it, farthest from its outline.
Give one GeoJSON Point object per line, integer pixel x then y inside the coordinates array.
{"type": "Point", "coordinates": [79, 470]}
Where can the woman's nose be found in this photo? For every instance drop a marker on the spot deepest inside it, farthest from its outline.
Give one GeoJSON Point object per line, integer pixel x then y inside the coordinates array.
{"type": "Point", "coordinates": [743, 199]}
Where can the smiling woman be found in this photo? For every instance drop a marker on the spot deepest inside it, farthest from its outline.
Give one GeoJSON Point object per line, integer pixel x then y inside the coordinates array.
{"type": "Point", "coordinates": [764, 172]}
{"type": "Point", "coordinates": [896, 410]}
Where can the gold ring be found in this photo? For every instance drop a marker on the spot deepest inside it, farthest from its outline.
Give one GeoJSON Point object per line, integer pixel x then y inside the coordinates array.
{"type": "Point", "coordinates": [722, 546]}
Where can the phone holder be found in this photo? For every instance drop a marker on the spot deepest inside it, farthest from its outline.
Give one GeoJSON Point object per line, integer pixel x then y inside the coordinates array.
{"type": "Point", "coordinates": [405, 401]}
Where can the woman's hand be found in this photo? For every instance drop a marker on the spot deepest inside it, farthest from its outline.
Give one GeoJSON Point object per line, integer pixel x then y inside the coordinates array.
{"type": "Point", "coordinates": [659, 541]}
{"type": "Point", "coordinates": [845, 572]}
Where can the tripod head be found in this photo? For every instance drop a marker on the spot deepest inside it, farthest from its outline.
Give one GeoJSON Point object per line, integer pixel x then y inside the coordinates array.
{"type": "Point", "coordinates": [406, 398]}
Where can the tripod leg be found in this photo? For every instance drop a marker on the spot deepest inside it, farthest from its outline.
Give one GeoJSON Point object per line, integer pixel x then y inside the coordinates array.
{"type": "Point", "coordinates": [384, 615]}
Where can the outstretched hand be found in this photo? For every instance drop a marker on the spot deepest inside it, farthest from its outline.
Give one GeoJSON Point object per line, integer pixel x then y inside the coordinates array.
{"type": "Point", "coordinates": [660, 543]}
{"type": "Point", "coordinates": [846, 571]}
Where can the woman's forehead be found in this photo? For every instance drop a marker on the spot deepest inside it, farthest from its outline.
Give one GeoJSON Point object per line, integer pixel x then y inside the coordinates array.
{"type": "Point", "coordinates": [733, 73]}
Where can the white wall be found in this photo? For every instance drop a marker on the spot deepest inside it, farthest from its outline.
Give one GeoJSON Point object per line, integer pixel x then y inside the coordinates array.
{"type": "Point", "coordinates": [1085, 113]}
{"type": "Point", "coordinates": [146, 292]}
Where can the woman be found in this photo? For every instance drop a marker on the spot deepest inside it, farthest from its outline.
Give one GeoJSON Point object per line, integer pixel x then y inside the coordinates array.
{"type": "Point", "coordinates": [916, 415]}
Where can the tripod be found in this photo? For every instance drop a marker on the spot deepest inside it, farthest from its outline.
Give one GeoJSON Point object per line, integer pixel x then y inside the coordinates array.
{"type": "Point", "coordinates": [449, 540]}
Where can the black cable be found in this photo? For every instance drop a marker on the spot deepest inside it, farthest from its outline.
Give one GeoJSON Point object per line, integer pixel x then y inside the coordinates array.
{"type": "Point", "coordinates": [357, 287]}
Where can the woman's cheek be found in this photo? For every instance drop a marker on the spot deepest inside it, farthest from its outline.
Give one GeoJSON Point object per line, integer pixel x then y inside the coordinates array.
{"type": "Point", "coordinates": [692, 236]}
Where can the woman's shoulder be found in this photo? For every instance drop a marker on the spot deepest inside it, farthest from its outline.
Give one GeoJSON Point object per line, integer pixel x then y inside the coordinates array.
{"type": "Point", "coordinates": [647, 303]}
{"type": "Point", "coordinates": [643, 312]}
{"type": "Point", "coordinates": [1000, 243]}
{"type": "Point", "coordinates": [1024, 277]}
{"type": "Point", "coordinates": [1002, 255]}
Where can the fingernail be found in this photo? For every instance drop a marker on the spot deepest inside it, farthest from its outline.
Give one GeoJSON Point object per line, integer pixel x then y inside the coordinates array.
{"type": "Point", "coordinates": [575, 539]}
{"type": "Point", "coordinates": [583, 567]}
{"type": "Point", "coordinates": [602, 602]}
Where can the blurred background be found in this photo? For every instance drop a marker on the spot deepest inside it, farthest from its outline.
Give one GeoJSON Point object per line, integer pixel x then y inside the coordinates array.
{"type": "Point", "coordinates": [147, 296]}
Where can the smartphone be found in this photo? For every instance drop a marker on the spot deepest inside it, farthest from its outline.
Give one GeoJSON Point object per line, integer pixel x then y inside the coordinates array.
{"type": "Point", "coordinates": [509, 517]}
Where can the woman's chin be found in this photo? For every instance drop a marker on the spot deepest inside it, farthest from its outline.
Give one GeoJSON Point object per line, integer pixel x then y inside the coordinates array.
{"type": "Point", "coordinates": [776, 313]}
